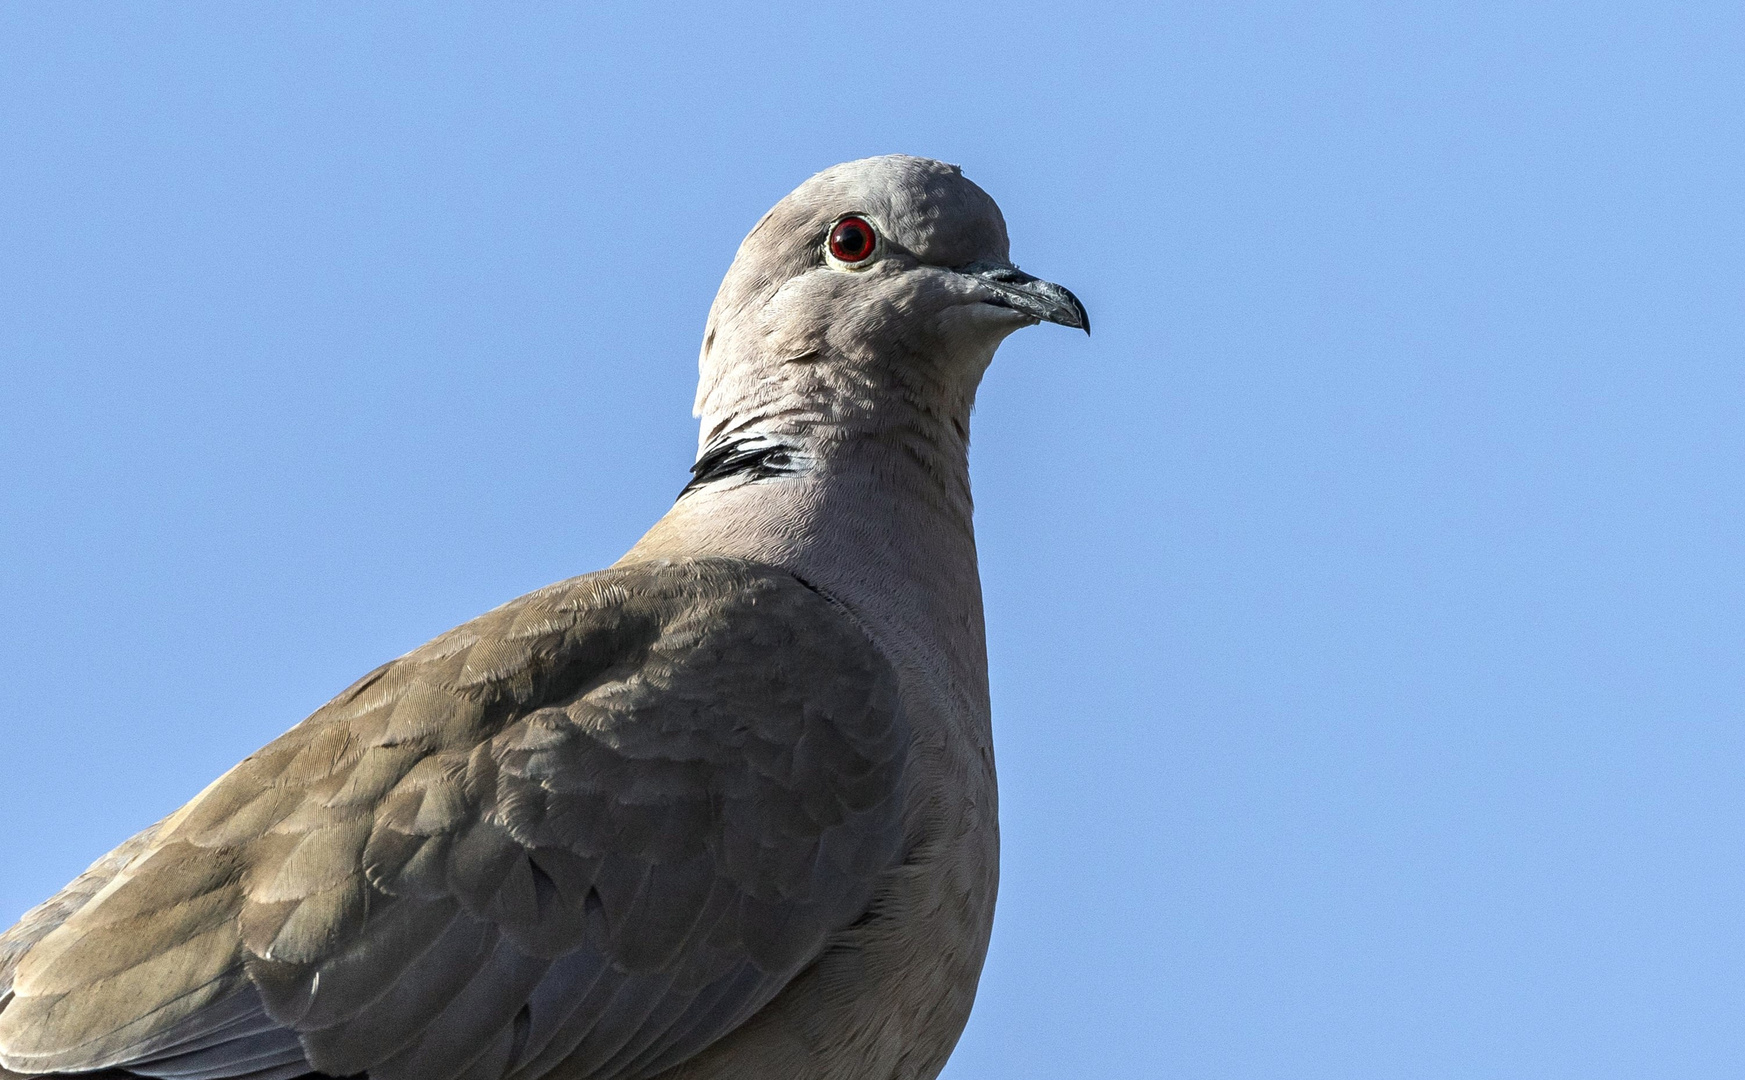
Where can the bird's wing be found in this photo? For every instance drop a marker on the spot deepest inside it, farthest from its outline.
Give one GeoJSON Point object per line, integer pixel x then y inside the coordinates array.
{"type": "Point", "coordinates": [44, 917]}
{"type": "Point", "coordinates": [601, 825]}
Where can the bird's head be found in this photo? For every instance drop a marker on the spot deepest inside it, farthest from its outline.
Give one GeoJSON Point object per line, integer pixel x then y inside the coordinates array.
{"type": "Point", "coordinates": [879, 281]}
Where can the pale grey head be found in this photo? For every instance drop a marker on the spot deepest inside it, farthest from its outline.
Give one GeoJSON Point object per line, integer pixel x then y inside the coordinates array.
{"type": "Point", "coordinates": [875, 290]}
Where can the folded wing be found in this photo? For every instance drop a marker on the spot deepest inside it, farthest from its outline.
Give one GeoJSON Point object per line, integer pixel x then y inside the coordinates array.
{"type": "Point", "coordinates": [599, 826]}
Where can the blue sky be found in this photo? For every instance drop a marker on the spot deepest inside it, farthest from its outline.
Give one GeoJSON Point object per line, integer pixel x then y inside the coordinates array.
{"type": "Point", "coordinates": [1364, 597]}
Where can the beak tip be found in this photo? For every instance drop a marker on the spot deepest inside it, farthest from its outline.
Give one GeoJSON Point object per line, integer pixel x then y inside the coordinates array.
{"type": "Point", "coordinates": [1078, 308]}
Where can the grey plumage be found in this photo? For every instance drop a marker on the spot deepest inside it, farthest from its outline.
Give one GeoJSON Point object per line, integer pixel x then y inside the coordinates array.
{"type": "Point", "coordinates": [724, 809]}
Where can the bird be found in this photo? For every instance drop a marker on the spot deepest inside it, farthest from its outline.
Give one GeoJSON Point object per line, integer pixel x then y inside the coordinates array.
{"type": "Point", "coordinates": [723, 809]}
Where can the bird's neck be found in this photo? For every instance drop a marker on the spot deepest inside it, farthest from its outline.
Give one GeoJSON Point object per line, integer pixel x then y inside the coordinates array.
{"type": "Point", "coordinates": [879, 521]}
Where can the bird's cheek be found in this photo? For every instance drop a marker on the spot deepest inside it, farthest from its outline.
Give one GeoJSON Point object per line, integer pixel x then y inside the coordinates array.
{"type": "Point", "coordinates": [790, 325]}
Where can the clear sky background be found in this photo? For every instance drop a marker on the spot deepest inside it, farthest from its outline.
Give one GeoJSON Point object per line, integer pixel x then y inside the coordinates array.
{"type": "Point", "coordinates": [1364, 597]}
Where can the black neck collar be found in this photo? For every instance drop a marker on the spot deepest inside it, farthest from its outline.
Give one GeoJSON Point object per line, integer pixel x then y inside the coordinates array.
{"type": "Point", "coordinates": [753, 457]}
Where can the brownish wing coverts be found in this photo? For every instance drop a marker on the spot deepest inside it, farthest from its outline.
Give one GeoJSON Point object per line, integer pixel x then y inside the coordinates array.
{"type": "Point", "coordinates": [601, 825]}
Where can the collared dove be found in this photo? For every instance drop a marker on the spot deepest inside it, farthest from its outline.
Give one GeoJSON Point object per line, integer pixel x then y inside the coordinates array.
{"type": "Point", "coordinates": [724, 809]}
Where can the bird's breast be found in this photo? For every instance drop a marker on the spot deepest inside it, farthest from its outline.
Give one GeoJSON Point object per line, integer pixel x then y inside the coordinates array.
{"type": "Point", "coordinates": [891, 993]}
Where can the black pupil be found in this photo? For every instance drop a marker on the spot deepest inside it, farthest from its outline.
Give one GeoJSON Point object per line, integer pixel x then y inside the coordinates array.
{"type": "Point", "coordinates": [851, 237]}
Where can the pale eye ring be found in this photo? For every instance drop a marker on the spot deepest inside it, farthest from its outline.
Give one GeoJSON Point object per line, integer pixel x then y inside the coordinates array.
{"type": "Point", "coordinates": [852, 241]}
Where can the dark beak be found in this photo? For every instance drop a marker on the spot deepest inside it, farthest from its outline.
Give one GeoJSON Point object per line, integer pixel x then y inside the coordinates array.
{"type": "Point", "coordinates": [1032, 296]}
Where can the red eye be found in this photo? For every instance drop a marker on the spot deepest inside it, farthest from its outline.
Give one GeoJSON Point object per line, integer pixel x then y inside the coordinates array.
{"type": "Point", "coordinates": [852, 240]}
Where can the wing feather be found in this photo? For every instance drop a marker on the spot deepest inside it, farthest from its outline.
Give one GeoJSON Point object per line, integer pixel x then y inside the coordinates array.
{"type": "Point", "coordinates": [484, 1010]}
{"type": "Point", "coordinates": [596, 828]}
